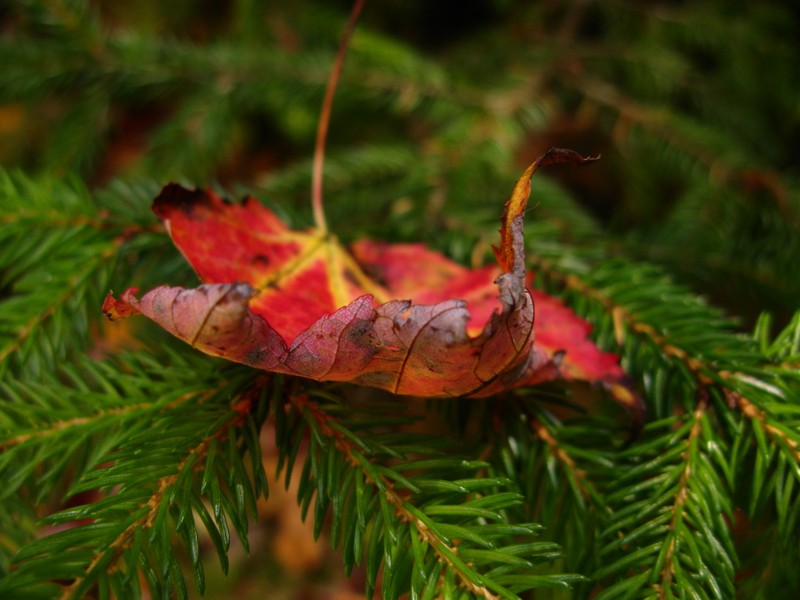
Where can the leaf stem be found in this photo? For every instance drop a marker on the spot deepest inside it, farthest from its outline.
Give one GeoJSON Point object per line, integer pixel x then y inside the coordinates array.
{"type": "Point", "coordinates": [325, 117]}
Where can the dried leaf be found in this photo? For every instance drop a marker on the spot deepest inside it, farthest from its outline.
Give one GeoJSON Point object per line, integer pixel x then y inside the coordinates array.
{"type": "Point", "coordinates": [394, 316]}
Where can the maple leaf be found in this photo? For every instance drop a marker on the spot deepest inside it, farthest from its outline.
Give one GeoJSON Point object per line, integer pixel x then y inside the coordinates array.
{"type": "Point", "coordinates": [394, 316]}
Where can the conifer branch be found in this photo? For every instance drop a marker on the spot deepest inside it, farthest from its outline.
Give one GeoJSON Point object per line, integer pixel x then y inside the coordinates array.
{"type": "Point", "coordinates": [75, 422]}
{"type": "Point", "coordinates": [447, 554]}
{"type": "Point", "coordinates": [159, 500]}
{"type": "Point", "coordinates": [567, 462]}
{"type": "Point", "coordinates": [778, 435]}
{"type": "Point", "coordinates": [681, 497]}
{"type": "Point", "coordinates": [706, 373]}
{"type": "Point", "coordinates": [74, 284]}
{"type": "Point", "coordinates": [625, 319]}
{"type": "Point", "coordinates": [23, 217]}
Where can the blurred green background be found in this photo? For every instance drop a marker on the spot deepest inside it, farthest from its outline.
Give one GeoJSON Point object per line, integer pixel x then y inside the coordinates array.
{"type": "Point", "coordinates": [695, 108]}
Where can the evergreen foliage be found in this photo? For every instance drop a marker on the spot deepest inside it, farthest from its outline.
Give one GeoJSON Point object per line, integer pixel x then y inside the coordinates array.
{"type": "Point", "coordinates": [120, 457]}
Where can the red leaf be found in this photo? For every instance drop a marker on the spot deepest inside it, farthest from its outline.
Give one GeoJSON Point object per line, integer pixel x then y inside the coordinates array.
{"type": "Point", "coordinates": [398, 317]}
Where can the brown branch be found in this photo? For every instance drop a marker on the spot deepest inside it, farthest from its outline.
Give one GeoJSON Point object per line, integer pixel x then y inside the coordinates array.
{"type": "Point", "coordinates": [757, 415]}
{"type": "Point", "coordinates": [562, 455]}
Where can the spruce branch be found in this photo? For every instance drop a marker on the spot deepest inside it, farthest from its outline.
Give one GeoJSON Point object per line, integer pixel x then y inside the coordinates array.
{"type": "Point", "coordinates": [703, 472]}
{"type": "Point", "coordinates": [418, 508]}
{"type": "Point", "coordinates": [634, 320]}
{"type": "Point", "coordinates": [76, 281]}
{"type": "Point", "coordinates": [562, 462]}
{"type": "Point", "coordinates": [566, 461]}
{"type": "Point", "coordinates": [58, 427]}
{"type": "Point", "coordinates": [673, 512]}
{"type": "Point", "coordinates": [446, 554]}
{"type": "Point", "coordinates": [705, 372]}
{"type": "Point", "coordinates": [58, 250]}
{"type": "Point", "coordinates": [164, 495]}
{"type": "Point", "coordinates": [139, 476]}
{"type": "Point", "coordinates": [666, 579]}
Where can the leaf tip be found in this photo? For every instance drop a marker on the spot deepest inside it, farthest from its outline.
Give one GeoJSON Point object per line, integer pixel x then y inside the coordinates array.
{"type": "Point", "coordinates": [115, 310]}
{"type": "Point", "coordinates": [511, 249]}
